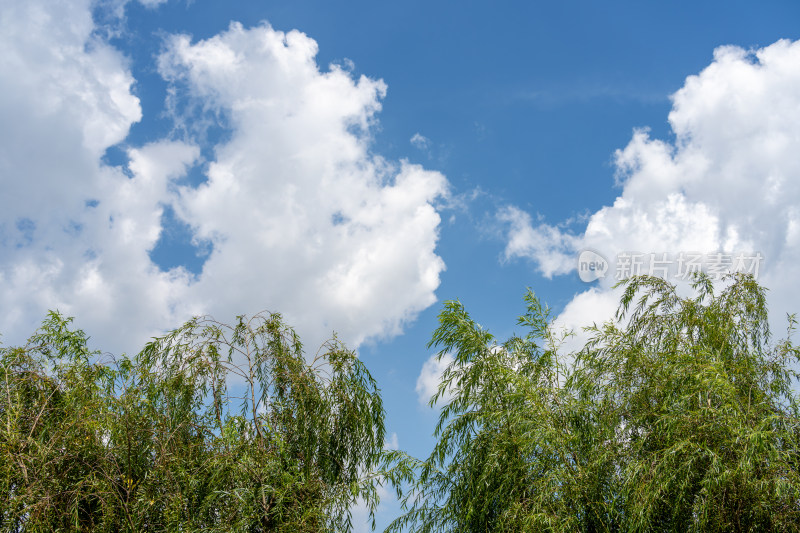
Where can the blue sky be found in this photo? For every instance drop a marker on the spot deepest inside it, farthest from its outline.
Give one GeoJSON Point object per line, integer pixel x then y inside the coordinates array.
{"type": "Point", "coordinates": [352, 165]}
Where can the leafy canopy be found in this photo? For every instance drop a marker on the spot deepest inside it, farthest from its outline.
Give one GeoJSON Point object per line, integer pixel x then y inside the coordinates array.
{"type": "Point", "coordinates": [211, 427]}
{"type": "Point", "coordinates": [678, 416]}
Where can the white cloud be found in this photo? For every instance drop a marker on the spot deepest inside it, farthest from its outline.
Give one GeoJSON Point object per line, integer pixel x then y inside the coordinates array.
{"type": "Point", "coordinates": [547, 245]}
{"type": "Point", "coordinates": [421, 142]}
{"type": "Point", "coordinates": [729, 182]}
{"type": "Point", "coordinates": [303, 218]}
{"type": "Point", "coordinates": [392, 443]}
{"type": "Point", "coordinates": [593, 306]}
{"type": "Point", "coordinates": [430, 376]}
{"type": "Point", "coordinates": [66, 96]}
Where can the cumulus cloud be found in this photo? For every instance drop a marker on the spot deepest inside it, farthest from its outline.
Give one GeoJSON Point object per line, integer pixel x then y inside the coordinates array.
{"type": "Point", "coordinates": [430, 376]}
{"type": "Point", "coordinates": [591, 307]}
{"type": "Point", "coordinates": [302, 218]}
{"type": "Point", "coordinates": [729, 182]}
{"type": "Point", "coordinates": [71, 229]}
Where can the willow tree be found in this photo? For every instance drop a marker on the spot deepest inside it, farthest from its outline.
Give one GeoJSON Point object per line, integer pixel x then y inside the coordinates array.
{"type": "Point", "coordinates": [677, 416]}
{"type": "Point", "coordinates": [211, 427]}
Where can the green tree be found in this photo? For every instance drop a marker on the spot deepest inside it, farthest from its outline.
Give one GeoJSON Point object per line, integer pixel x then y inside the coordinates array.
{"type": "Point", "coordinates": [211, 427]}
{"type": "Point", "coordinates": [678, 416]}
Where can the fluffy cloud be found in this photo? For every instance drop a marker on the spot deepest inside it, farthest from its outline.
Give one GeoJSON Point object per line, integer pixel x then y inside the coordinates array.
{"type": "Point", "coordinates": [547, 245]}
{"type": "Point", "coordinates": [730, 182]}
{"type": "Point", "coordinates": [302, 217]}
{"type": "Point", "coordinates": [430, 376]}
{"type": "Point", "coordinates": [66, 96]}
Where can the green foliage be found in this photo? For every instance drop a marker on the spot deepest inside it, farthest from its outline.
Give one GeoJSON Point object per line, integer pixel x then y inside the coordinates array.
{"type": "Point", "coordinates": [211, 427]}
{"type": "Point", "coordinates": [680, 416]}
